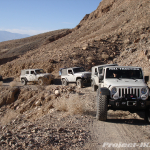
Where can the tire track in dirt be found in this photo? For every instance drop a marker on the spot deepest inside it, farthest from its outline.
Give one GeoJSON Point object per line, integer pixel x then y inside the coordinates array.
{"type": "Point", "coordinates": [117, 131]}
{"type": "Point", "coordinates": [120, 127]}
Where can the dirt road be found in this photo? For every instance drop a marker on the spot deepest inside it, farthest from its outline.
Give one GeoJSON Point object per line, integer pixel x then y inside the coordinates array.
{"type": "Point", "coordinates": [126, 129]}
{"type": "Point", "coordinates": [64, 130]}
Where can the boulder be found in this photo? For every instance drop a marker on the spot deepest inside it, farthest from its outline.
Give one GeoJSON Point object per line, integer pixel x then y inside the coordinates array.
{"type": "Point", "coordinates": [9, 96]}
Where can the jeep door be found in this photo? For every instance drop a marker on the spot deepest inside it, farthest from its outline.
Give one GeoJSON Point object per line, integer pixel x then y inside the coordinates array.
{"type": "Point", "coordinates": [70, 75]}
{"type": "Point", "coordinates": [102, 71]}
{"type": "Point", "coordinates": [95, 75]}
{"type": "Point", "coordinates": [32, 76]}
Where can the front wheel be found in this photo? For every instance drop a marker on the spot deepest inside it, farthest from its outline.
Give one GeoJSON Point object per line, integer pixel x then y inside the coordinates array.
{"type": "Point", "coordinates": [64, 82]}
{"type": "Point", "coordinates": [79, 83]}
{"type": "Point", "coordinates": [147, 115]}
{"type": "Point", "coordinates": [40, 82]}
{"type": "Point", "coordinates": [102, 107]}
{"type": "Point", "coordinates": [24, 81]}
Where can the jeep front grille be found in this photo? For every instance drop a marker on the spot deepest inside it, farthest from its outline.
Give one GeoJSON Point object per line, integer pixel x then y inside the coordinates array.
{"type": "Point", "coordinates": [88, 75]}
{"type": "Point", "coordinates": [125, 91]}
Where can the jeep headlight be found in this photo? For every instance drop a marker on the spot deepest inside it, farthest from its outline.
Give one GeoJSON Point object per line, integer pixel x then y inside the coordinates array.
{"type": "Point", "coordinates": [144, 90]}
{"type": "Point", "coordinates": [113, 90]}
{"type": "Point", "coordinates": [114, 93]}
{"type": "Point", "coordinates": [84, 76]}
{"type": "Point", "coordinates": [144, 93]}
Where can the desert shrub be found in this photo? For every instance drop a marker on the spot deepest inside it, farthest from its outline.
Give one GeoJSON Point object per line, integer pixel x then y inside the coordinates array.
{"type": "Point", "coordinates": [8, 116]}
{"type": "Point", "coordinates": [127, 41]}
{"type": "Point", "coordinates": [90, 59]}
{"type": "Point", "coordinates": [61, 104]}
{"type": "Point", "coordinates": [72, 104]}
{"type": "Point", "coordinates": [74, 54]}
{"type": "Point", "coordinates": [105, 56]}
{"type": "Point", "coordinates": [75, 61]}
{"type": "Point", "coordinates": [1, 83]}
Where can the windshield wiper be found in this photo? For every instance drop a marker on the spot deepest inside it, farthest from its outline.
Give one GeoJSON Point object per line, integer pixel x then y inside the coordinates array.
{"type": "Point", "coordinates": [134, 79]}
{"type": "Point", "coordinates": [119, 78]}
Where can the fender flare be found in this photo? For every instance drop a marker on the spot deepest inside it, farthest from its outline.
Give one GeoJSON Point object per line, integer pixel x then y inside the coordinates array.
{"type": "Point", "coordinates": [78, 78]}
{"type": "Point", "coordinates": [65, 79]}
{"type": "Point", "coordinates": [104, 90]}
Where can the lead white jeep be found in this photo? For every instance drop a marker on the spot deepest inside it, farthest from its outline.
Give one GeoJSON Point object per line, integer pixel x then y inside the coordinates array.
{"type": "Point", "coordinates": [75, 75]}
{"type": "Point", "coordinates": [120, 88]}
{"type": "Point", "coordinates": [35, 75]}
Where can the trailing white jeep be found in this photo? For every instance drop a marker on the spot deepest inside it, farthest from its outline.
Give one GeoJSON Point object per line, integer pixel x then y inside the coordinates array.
{"type": "Point", "coordinates": [35, 75]}
{"type": "Point", "coordinates": [120, 88]}
{"type": "Point", "coordinates": [75, 75]}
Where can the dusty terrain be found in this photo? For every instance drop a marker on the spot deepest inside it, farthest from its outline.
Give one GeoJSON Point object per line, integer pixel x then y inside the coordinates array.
{"type": "Point", "coordinates": [38, 118]}
{"type": "Point", "coordinates": [35, 117]}
{"type": "Point", "coordinates": [117, 31]}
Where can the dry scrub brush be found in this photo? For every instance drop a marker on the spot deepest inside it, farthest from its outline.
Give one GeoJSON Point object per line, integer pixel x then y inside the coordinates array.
{"type": "Point", "coordinates": [105, 56]}
{"type": "Point", "coordinates": [1, 83]}
{"type": "Point", "coordinates": [13, 83]}
{"type": "Point", "coordinates": [72, 104]}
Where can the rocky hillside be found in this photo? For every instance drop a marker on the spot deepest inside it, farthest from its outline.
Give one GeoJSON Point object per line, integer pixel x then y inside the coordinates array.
{"type": "Point", "coordinates": [117, 31]}
{"type": "Point", "coordinates": [63, 117]}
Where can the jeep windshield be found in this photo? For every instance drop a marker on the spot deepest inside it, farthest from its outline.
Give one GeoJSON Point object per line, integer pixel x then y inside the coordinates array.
{"type": "Point", "coordinates": [39, 71]}
{"type": "Point", "coordinates": [124, 73]}
{"type": "Point", "coordinates": [76, 70]}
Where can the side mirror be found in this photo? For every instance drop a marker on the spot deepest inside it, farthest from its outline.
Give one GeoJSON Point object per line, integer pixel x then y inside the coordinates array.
{"type": "Point", "coordinates": [146, 79]}
{"type": "Point", "coordinates": [96, 73]}
{"type": "Point", "coordinates": [101, 77]}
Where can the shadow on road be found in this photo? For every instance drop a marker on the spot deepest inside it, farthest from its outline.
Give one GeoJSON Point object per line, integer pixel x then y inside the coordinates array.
{"type": "Point", "coordinates": [90, 113]}
{"type": "Point", "coordinates": [8, 80]}
{"type": "Point", "coordinates": [138, 122]}
{"type": "Point", "coordinates": [57, 82]}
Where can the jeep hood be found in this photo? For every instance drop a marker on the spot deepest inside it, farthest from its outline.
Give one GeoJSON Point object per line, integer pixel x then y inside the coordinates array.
{"type": "Point", "coordinates": [125, 82]}
{"type": "Point", "coordinates": [43, 74]}
{"type": "Point", "coordinates": [83, 73]}
{"type": "Point", "coordinates": [80, 73]}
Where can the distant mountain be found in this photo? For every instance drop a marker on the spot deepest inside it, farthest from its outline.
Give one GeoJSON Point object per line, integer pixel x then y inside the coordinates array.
{"type": "Point", "coordinates": [116, 32]}
{"type": "Point", "coordinates": [6, 36]}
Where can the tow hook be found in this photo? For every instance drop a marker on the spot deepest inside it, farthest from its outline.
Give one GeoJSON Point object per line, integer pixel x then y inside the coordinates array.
{"type": "Point", "coordinates": [117, 104]}
{"type": "Point", "coordinates": [142, 105]}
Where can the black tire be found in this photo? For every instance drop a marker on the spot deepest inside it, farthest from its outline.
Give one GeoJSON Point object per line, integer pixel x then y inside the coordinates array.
{"type": "Point", "coordinates": [94, 87]}
{"type": "Point", "coordinates": [24, 81]}
{"type": "Point", "coordinates": [147, 115]}
{"type": "Point", "coordinates": [52, 82]}
{"type": "Point", "coordinates": [40, 81]}
{"type": "Point", "coordinates": [102, 107]}
{"type": "Point", "coordinates": [79, 83]}
{"type": "Point", "coordinates": [64, 82]}
{"type": "Point", "coordinates": [1, 79]}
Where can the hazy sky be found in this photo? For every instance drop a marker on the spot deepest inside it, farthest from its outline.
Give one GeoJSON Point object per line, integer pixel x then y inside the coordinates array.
{"type": "Point", "coordinates": [38, 16]}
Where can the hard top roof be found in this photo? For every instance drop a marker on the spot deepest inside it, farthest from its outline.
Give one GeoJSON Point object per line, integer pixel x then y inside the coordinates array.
{"type": "Point", "coordinates": [72, 68]}
{"type": "Point", "coordinates": [122, 67]}
{"type": "Point", "coordinates": [105, 65]}
{"type": "Point", "coordinates": [32, 69]}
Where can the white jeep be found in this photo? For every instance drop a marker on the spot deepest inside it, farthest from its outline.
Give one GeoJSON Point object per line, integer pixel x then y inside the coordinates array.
{"type": "Point", "coordinates": [120, 88]}
{"type": "Point", "coordinates": [35, 75]}
{"type": "Point", "coordinates": [75, 75]}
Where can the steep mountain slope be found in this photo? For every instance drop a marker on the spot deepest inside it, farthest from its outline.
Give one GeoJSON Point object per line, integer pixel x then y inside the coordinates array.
{"type": "Point", "coordinates": [117, 31]}
{"type": "Point", "coordinates": [10, 50]}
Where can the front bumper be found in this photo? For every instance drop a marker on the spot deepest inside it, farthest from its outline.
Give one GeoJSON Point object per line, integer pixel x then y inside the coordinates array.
{"type": "Point", "coordinates": [1, 78]}
{"type": "Point", "coordinates": [86, 80]}
{"type": "Point", "coordinates": [129, 104]}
